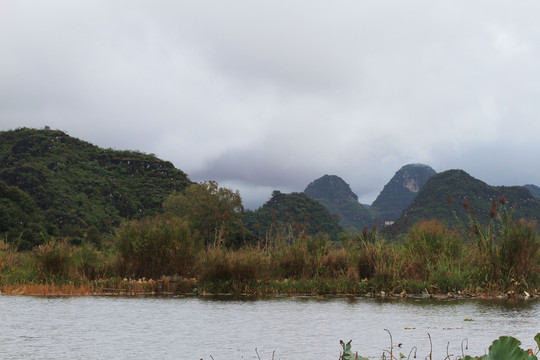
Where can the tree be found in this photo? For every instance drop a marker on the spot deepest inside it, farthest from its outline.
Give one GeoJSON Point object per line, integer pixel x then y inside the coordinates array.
{"type": "Point", "coordinates": [214, 211]}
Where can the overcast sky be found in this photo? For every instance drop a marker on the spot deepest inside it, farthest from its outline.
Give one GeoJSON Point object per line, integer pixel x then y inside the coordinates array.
{"type": "Point", "coordinates": [264, 95]}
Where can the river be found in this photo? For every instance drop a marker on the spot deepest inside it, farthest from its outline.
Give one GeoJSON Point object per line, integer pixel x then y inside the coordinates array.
{"type": "Point", "coordinates": [225, 328]}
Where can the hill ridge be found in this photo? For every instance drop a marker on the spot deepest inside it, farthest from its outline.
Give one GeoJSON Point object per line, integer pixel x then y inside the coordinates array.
{"type": "Point", "coordinates": [334, 193]}
{"type": "Point", "coordinates": [76, 186]}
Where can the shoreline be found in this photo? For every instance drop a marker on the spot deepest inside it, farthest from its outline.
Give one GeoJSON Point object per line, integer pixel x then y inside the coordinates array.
{"type": "Point", "coordinates": [88, 290]}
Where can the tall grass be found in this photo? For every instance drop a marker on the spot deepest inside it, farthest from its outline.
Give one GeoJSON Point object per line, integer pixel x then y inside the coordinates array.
{"type": "Point", "coordinates": [156, 247]}
{"type": "Point", "coordinates": [506, 249]}
{"type": "Point", "coordinates": [54, 260]}
{"type": "Point", "coordinates": [503, 255]}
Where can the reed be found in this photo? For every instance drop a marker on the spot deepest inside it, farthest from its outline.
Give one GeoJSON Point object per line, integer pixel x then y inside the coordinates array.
{"type": "Point", "coordinates": [502, 256]}
{"type": "Point", "coordinates": [163, 245]}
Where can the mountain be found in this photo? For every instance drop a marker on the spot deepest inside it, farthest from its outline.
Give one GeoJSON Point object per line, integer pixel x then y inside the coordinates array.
{"type": "Point", "coordinates": [52, 184]}
{"type": "Point", "coordinates": [446, 192]}
{"type": "Point", "coordinates": [337, 196]}
{"type": "Point", "coordinates": [294, 212]}
{"type": "Point", "coordinates": [398, 193]}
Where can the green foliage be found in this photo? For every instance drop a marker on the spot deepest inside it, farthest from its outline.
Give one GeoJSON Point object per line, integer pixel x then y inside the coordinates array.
{"type": "Point", "coordinates": [156, 247]}
{"type": "Point", "coordinates": [93, 264]}
{"type": "Point", "coordinates": [430, 239]}
{"type": "Point", "coordinates": [506, 348]}
{"type": "Point", "coordinates": [54, 185]}
{"type": "Point", "coordinates": [21, 222]}
{"type": "Point", "coordinates": [432, 250]}
{"type": "Point", "coordinates": [220, 264]}
{"type": "Point", "coordinates": [54, 260]}
{"type": "Point", "coordinates": [507, 248]}
{"type": "Point", "coordinates": [347, 352]}
{"type": "Point", "coordinates": [295, 261]}
{"type": "Point", "coordinates": [213, 211]}
{"type": "Point", "coordinates": [458, 188]}
{"type": "Point", "coordinates": [518, 254]}
{"type": "Point", "coordinates": [337, 196]}
{"type": "Point", "coordinates": [287, 216]}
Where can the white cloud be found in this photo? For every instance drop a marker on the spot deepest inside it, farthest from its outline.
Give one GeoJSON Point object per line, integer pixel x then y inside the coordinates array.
{"type": "Point", "coordinates": [271, 95]}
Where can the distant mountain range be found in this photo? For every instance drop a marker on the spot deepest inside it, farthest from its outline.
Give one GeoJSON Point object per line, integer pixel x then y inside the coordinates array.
{"type": "Point", "coordinates": [52, 184]}
{"type": "Point", "coordinates": [417, 192]}
{"type": "Point", "coordinates": [338, 197]}
{"type": "Point", "coordinates": [446, 192]}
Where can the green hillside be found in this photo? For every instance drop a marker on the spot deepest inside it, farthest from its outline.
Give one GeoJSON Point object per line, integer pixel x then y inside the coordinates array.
{"type": "Point", "coordinates": [447, 191]}
{"type": "Point", "coordinates": [337, 196]}
{"type": "Point", "coordinates": [295, 212]}
{"type": "Point", "coordinates": [400, 191]}
{"type": "Point", "coordinates": [52, 184]}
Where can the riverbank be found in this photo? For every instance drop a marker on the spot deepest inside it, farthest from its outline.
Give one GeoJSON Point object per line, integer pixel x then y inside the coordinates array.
{"type": "Point", "coordinates": [292, 288]}
{"type": "Point", "coordinates": [429, 261]}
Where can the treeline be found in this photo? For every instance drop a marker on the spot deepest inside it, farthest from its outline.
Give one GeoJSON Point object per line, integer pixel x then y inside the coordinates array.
{"type": "Point", "coordinates": [200, 242]}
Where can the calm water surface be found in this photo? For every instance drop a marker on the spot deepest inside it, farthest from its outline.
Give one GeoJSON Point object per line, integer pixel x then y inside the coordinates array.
{"type": "Point", "coordinates": [295, 328]}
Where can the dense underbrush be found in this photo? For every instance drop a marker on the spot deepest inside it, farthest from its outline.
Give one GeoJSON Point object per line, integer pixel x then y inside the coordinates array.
{"type": "Point", "coordinates": [431, 260]}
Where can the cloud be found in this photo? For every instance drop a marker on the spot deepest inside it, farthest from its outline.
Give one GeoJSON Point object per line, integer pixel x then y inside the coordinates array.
{"type": "Point", "coordinates": [272, 95]}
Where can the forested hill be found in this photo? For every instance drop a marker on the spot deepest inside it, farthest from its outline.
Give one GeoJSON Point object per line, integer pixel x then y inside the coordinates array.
{"type": "Point", "coordinates": [400, 191]}
{"type": "Point", "coordinates": [334, 193]}
{"type": "Point", "coordinates": [292, 214]}
{"type": "Point", "coordinates": [52, 184]}
{"type": "Point", "coordinates": [447, 191]}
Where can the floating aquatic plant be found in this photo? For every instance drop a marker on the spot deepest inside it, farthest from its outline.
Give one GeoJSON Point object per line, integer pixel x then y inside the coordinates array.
{"type": "Point", "coordinates": [504, 348]}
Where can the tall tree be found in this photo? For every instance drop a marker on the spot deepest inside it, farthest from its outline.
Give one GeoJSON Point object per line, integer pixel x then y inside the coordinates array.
{"type": "Point", "coordinates": [214, 211]}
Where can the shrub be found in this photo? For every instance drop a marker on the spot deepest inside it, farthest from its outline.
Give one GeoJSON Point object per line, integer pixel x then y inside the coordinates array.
{"type": "Point", "coordinates": [430, 246]}
{"type": "Point", "coordinates": [336, 262]}
{"type": "Point", "coordinates": [155, 247]}
{"type": "Point", "coordinates": [92, 264]}
{"type": "Point", "coordinates": [214, 265]}
{"type": "Point", "coordinates": [290, 261]}
{"type": "Point", "coordinates": [518, 253]}
{"type": "Point", "coordinates": [248, 264]}
{"type": "Point", "coordinates": [431, 240]}
{"type": "Point", "coordinates": [54, 260]}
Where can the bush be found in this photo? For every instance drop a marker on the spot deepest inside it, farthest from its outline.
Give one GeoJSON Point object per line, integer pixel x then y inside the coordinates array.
{"type": "Point", "coordinates": [518, 253]}
{"type": "Point", "coordinates": [430, 247]}
{"type": "Point", "coordinates": [54, 260]}
{"type": "Point", "coordinates": [248, 264]}
{"type": "Point", "coordinates": [336, 263]}
{"type": "Point", "coordinates": [92, 264]}
{"type": "Point", "coordinates": [156, 247]}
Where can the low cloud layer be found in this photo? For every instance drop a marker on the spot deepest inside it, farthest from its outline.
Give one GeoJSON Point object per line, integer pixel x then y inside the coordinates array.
{"type": "Point", "coordinates": [272, 95]}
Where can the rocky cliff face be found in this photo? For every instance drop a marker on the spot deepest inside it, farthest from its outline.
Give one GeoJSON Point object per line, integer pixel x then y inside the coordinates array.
{"type": "Point", "coordinates": [400, 191]}
{"type": "Point", "coordinates": [334, 193]}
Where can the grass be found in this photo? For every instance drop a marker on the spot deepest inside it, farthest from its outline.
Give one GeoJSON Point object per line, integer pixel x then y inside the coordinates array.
{"type": "Point", "coordinates": [165, 256]}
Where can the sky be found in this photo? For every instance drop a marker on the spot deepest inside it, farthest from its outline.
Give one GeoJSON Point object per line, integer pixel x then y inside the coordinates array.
{"type": "Point", "coordinates": [271, 95]}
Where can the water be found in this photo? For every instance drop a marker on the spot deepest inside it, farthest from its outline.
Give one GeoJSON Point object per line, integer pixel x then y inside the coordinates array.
{"type": "Point", "coordinates": [292, 328]}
